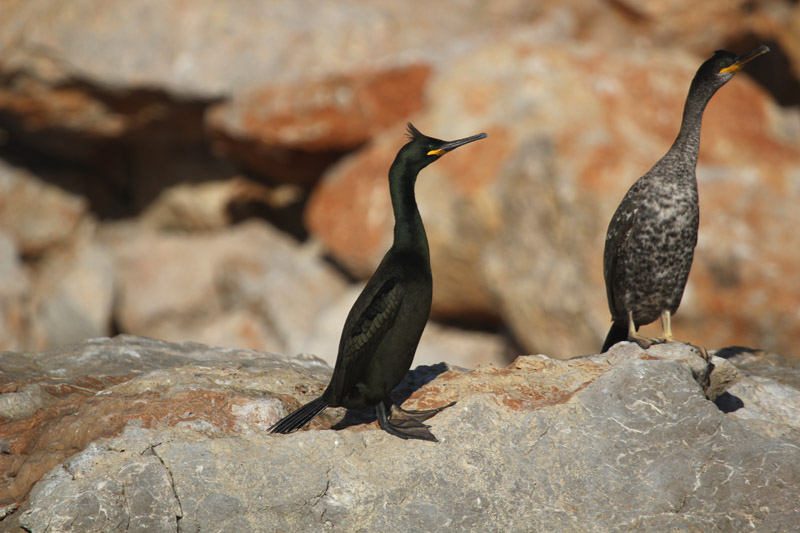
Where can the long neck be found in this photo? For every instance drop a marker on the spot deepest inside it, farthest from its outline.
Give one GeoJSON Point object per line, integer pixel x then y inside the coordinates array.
{"type": "Point", "coordinates": [409, 233]}
{"type": "Point", "coordinates": [683, 153]}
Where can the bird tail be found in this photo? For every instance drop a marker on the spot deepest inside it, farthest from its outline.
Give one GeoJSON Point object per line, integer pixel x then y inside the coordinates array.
{"type": "Point", "coordinates": [300, 417]}
{"type": "Point", "coordinates": [617, 333]}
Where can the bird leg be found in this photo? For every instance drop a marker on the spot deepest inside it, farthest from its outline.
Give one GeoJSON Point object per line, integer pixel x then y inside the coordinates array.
{"type": "Point", "coordinates": [666, 327]}
{"type": "Point", "coordinates": [635, 336]}
{"type": "Point", "coordinates": [405, 428]}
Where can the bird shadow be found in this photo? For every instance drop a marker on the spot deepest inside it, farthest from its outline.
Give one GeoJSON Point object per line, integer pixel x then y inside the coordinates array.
{"type": "Point", "coordinates": [728, 403]}
{"type": "Point", "coordinates": [729, 352]}
{"type": "Point", "coordinates": [413, 381]}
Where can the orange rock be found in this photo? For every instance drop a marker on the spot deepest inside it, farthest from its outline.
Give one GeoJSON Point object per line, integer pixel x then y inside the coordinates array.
{"type": "Point", "coordinates": [516, 225]}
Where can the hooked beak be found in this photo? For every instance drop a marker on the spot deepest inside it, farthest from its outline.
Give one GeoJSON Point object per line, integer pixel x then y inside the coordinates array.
{"type": "Point", "coordinates": [743, 59]}
{"type": "Point", "coordinates": [452, 145]}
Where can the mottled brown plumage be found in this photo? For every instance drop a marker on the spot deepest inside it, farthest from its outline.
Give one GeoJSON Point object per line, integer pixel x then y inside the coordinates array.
{"type": "Point", "coordinates": [651, 237]}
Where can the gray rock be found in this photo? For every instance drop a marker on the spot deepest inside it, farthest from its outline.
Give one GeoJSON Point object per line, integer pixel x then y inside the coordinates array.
{"type": "Point", "coordinates": [766, 398]}
{"type": "Point", "coordinates": [622, 441]}
{"type": "Point", "coordinates": [189, 50]}
{"type": "Point", "coordinates": [123, 355]}
{"type": "Point", "coordinates": [73, 294]}
{"type": "Point", "coordinates": [23, 403]}
{"type": "Point", "coordinates": [248, 286]}
{"type": "Point", "coordinates": [139, 497]}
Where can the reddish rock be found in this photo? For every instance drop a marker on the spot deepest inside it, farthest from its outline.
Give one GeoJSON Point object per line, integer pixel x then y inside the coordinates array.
{"type": "Point", "coordinates": [68, 413]}
{"type": "Point", "coordinates": [350, 212]}
{"type": "Point", "coordinates": [293, 132]}
{"type": "Point", "coordinates": [579, 98]}
{"type": "Point", "coordinates": [517, 222]}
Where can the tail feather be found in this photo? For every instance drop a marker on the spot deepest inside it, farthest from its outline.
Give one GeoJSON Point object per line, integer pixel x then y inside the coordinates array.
{"type": "Point", "coordinates": [300, 417]}
{"type": "Point", "coordinates": [617, 333]}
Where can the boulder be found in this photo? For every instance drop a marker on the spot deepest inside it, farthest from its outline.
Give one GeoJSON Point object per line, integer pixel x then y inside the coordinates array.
{"type": "Point", "coordinates": [293, 133]}
{"type": "Point", "coordinates": [119, 104]}
{"type": "Point", "coordinates": [37, 216]}
{"type": "Point", "coordinates": [42, 394]}
{"type": "Point", "coordinates": [764, 399]}
{"type": "Point", "coordinates": [517, 222]}
{"type": "Point", "coordinates": [73, 294]}
{"type": "Point", "coordinates": [176, 439]}
{"type": "Point", "coordinates": [249, 286]}
{"type": "Point", "coordinates": [56, 280]}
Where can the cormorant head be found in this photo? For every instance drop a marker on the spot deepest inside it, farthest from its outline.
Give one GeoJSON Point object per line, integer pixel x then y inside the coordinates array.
{"type": "Point", "coordinates": [723, 65]}
{"type": "Point", "coordinates": [421, 150]}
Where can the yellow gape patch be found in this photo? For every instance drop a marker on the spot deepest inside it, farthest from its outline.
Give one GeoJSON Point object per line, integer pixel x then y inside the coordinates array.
{"type": "Point", "coordinates": [733, 69]}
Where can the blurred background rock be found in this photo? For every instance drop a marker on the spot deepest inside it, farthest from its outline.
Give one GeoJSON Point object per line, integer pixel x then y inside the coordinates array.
{"type": "Point", "coordinates": [217, 171]}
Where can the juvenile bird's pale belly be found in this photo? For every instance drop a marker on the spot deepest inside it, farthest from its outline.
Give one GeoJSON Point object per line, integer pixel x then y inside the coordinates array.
{"type": "Point", "coordinates": [659, 257]}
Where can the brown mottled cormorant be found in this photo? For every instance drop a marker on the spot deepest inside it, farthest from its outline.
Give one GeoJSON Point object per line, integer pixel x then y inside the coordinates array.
{"type": "Point", "coordinates": [384, 326]}
{"type": "Point", "coordinates": [651, 237]}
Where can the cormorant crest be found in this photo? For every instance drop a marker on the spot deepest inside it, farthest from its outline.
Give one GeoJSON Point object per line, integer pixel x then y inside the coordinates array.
{"type": "Point", "coordinates": [413, 133]}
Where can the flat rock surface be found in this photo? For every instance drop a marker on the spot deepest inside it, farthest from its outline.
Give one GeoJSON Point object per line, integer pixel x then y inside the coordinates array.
{"type": "Point", "coordinates": [621, 441]}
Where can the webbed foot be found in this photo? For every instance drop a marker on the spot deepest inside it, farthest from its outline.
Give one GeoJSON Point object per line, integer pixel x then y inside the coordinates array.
{"type": "Point", "coordinates": [641, 340]}
{"type": "Point", "coordinates": [406, 424]}
{"type": "Point", "coordinates": [419, 416]}
{"type": "Point", "coordinates": [405, 428]}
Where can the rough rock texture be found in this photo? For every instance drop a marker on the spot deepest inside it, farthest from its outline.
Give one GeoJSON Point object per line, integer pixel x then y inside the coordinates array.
{"type": "Point", "coordinates": [765, 399]}
{"type": "Point", "coordinates": [626, 440]}
{"type": "Point", "coordinates": [57, 402]}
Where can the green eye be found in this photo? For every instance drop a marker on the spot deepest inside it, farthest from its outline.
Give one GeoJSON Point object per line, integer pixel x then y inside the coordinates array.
{"type": "Point", "coordinates": [723, 63]}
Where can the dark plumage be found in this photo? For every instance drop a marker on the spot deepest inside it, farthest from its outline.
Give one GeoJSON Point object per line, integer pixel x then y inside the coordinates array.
{"type": "Point", "coordinates": [651, 237]}
{"type": "Point", "coordinates": [381, 333]}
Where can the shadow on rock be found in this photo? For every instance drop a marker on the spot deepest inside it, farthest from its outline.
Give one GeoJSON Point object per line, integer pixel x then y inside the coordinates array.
{"type": "Point", "coordinates": [414, 380]}
{"type": "Point", "coordinates": [729, 352]}
{"type": "Point", "coordinates": [728, 403]}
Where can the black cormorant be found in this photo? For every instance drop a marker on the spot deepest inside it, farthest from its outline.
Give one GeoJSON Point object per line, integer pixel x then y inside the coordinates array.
{"type": "Point", "coordinates": [651, 237]}
{"type": "Point", "coordinates": [384, 326]}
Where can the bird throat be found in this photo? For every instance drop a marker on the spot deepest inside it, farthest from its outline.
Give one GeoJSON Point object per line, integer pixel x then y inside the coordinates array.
{"type": "Point", "coordinates": [687, 144]}
{"type": "Point", "coordinates": [409, 232]}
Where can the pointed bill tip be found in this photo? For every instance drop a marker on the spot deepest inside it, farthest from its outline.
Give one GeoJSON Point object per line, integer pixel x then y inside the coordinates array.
{"type": "Point", "coordinates": [452, 145]}
{"type": "Point", "coordinates": [752, 54]}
